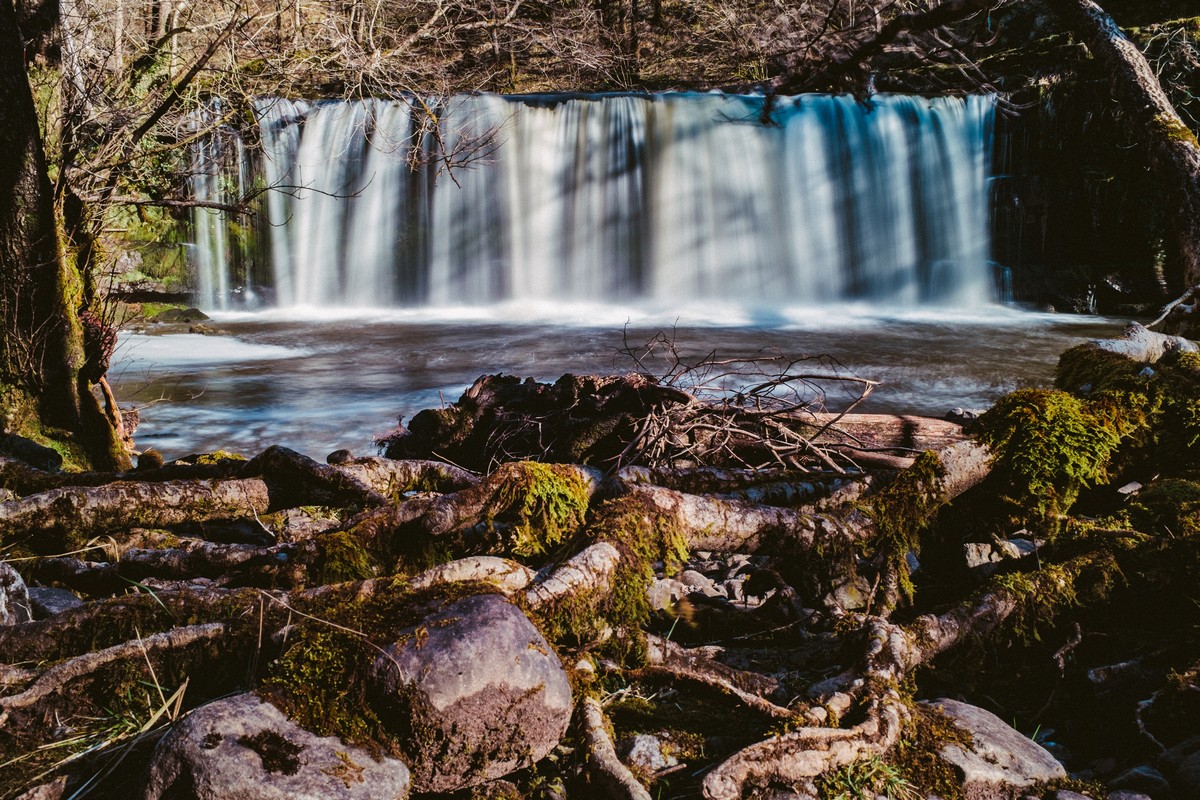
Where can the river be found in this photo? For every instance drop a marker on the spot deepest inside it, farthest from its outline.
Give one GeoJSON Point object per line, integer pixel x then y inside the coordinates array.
{"type": "Point", "coordinates": [320, 381]}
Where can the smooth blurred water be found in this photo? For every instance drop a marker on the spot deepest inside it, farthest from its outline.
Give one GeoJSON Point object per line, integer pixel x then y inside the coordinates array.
{"type": "Point", "coordinates": [317, 380]}
{"type": "Point", "coordinates": [666, 197]}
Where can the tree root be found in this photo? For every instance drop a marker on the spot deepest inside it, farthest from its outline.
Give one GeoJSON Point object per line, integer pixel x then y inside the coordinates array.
{"type": "Point", "coordinates": [58, 679]}
{"type": "Point", "coordinates": [302, 481]}
{"type": "Point", "coordinates": [231, 564]}
{"type": "Point", "coordinates": [391, 478]}
{"type": "Point", "coordinates": [605, 767]}
{"type": "Point", "coordinates": [507, 576]}
{"type": "Point", "coordinates": [587, 572]}
{"type": "Point", "coordinates": [117, 507]}
{"type": "Point", "coordinates": [665, 659]}
{"type": "Point", "coordinates": [891, 652]}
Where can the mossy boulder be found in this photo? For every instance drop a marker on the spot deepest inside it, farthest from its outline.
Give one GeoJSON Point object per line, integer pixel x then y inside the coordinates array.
{"type": "Point", "coordinates": [243, 746]}
{"type": "Point", "coordinates": [472, 693]}
{"type": "Point", "coordinates": [1000, 762]}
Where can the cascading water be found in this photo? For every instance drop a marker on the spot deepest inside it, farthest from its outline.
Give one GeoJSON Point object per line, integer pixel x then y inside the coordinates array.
{"type": "Point", "coordinates": [622, 197]}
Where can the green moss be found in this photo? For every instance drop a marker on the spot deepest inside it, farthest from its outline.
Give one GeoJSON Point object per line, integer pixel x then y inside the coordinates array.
{"type": "Point", "coordinates": [1085, 369]}
{"type": "Point", "coordinates": [217, 457]}
{"type": "Point", "coordinates": [319, 681]}
{"type": "Point", "coordinates": [643, 535]}
{"type": "Point", "coordinates": [917, 757]}
{"type": "Point", "coordinates": [341, 557]}
{"type": "Point", "coordinates": [1044, 595]}
{"type": "Point", "coordinates": [1048, 445]}
{"type": "Point", "coordinates": [1170, 506]}
{"type": "Point", "coordinates": [903, 509]}
{"type": "Point", "coordinates": [320, 678]}
{"type": "Point", "coordinates": [1173, 129]}
{"type": "Point", "coordinates": [19, 414]}
{"type": "Point", "coordinates": [542, 505]}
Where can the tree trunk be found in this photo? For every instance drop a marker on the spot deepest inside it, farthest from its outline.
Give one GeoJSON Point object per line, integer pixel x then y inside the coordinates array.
{"type": "Point", "coordinates": [41, 342]}
{"type": "Point", "coordinates": [1173, 148]}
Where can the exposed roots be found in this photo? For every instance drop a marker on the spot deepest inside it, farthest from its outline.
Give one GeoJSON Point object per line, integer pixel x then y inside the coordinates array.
{"type": "Point", "coordinates": [606, 769]}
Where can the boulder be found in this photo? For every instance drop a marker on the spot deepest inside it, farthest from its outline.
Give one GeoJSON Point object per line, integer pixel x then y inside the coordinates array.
{"type": "Point", "coordinates": [14, 596]}
{"type": "Point", "coordinates": [244, 747]}
{"type": "Point", "coordinates": [1001, 763]}
{"type": "Point", "coordinates": [46, 601]}
{"type": "Point", "coordinates": [473, 693]}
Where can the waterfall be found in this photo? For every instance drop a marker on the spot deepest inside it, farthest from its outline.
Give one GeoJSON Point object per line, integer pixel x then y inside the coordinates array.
{"type": "Point", "coordinates": [620, 197]}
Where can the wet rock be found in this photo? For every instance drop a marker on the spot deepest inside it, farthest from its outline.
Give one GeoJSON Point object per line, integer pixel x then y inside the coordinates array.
{"type": "Point", "coordinates": [1127, 678]}
{"type": "Point", "coordinates": [1144, 779]}
{"type": "Point", "coordinates": [243, 747]}
{"type": "Point", "coordinates": [697, 582]}
{"type": "Point", "coordinates": [14, 597]}
{"type": "Point", "coordinates": [853, 594]}
{"type": "Point", "coordinates": [1174, 757]}
{"type": "Point", "coordinates": [45, 601]}
{"type": "Point", "coordinates": [1002, 762]}
{"type": "Point", "coordinates": [474, 692]}
{"type": "Point", "coordinates": [664, 593]}
{"type": "Point", "coordinates": [645, 753]}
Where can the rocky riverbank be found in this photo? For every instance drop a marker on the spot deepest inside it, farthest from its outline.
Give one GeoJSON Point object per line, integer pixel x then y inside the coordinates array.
{"type": "Point", "coordinates": [637, 588]}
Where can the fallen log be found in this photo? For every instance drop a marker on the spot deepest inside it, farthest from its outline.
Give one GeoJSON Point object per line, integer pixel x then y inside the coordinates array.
{"type": "Point", "coordinates": [710, 523]}
{"type": "Point", "coordinates": [59, 518]}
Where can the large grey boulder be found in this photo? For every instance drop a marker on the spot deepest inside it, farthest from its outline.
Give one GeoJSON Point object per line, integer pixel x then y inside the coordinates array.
{"type": "Point", "coordinates": [474, 692]}
{"type": "Point", "coordinates": [243, 748]}
{"type": "Point", "coordinates": [1001, 762]}
{"type": "Point", "coordinates": [14, 597]}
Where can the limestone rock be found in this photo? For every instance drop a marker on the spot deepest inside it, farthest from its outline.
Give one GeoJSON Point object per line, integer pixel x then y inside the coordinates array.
{"type": "Point", "coordinates": [45, 601]}
{"type": "Point", "coordinates": [14, 597]}
{"type": "Point", "coordinates": [1002, 763]}
{"type": "Point", "coordinates": [645, 753]}
{"type": "Point", "coordinates": [244, 747]}
{"type": "Point", "coordinates": [474, 692]}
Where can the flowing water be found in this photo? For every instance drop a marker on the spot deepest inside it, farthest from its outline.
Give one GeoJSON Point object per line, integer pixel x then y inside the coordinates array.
{"type": "Point", "coordinates": [321, 385]}
{"type": "Point", "coordinates": [613, 197]}
{"type": "Point", "coordinates": [393, 263]}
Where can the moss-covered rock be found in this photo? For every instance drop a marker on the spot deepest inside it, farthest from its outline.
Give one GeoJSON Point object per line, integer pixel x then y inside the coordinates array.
{"type": "Point", "coordinates": [1048, 446]}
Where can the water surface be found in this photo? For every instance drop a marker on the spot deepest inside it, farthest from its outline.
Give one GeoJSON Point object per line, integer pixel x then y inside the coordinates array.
{"type": "Point", "coordinates": [319, 381]}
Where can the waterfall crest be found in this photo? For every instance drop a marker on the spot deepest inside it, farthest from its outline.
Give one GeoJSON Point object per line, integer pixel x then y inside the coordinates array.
{"type": "Point", "coordinates": [617, 197]}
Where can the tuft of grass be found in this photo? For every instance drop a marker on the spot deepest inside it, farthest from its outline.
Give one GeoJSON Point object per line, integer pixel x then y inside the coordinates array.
{"type": "Point", "coordinates": [866, 780]}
